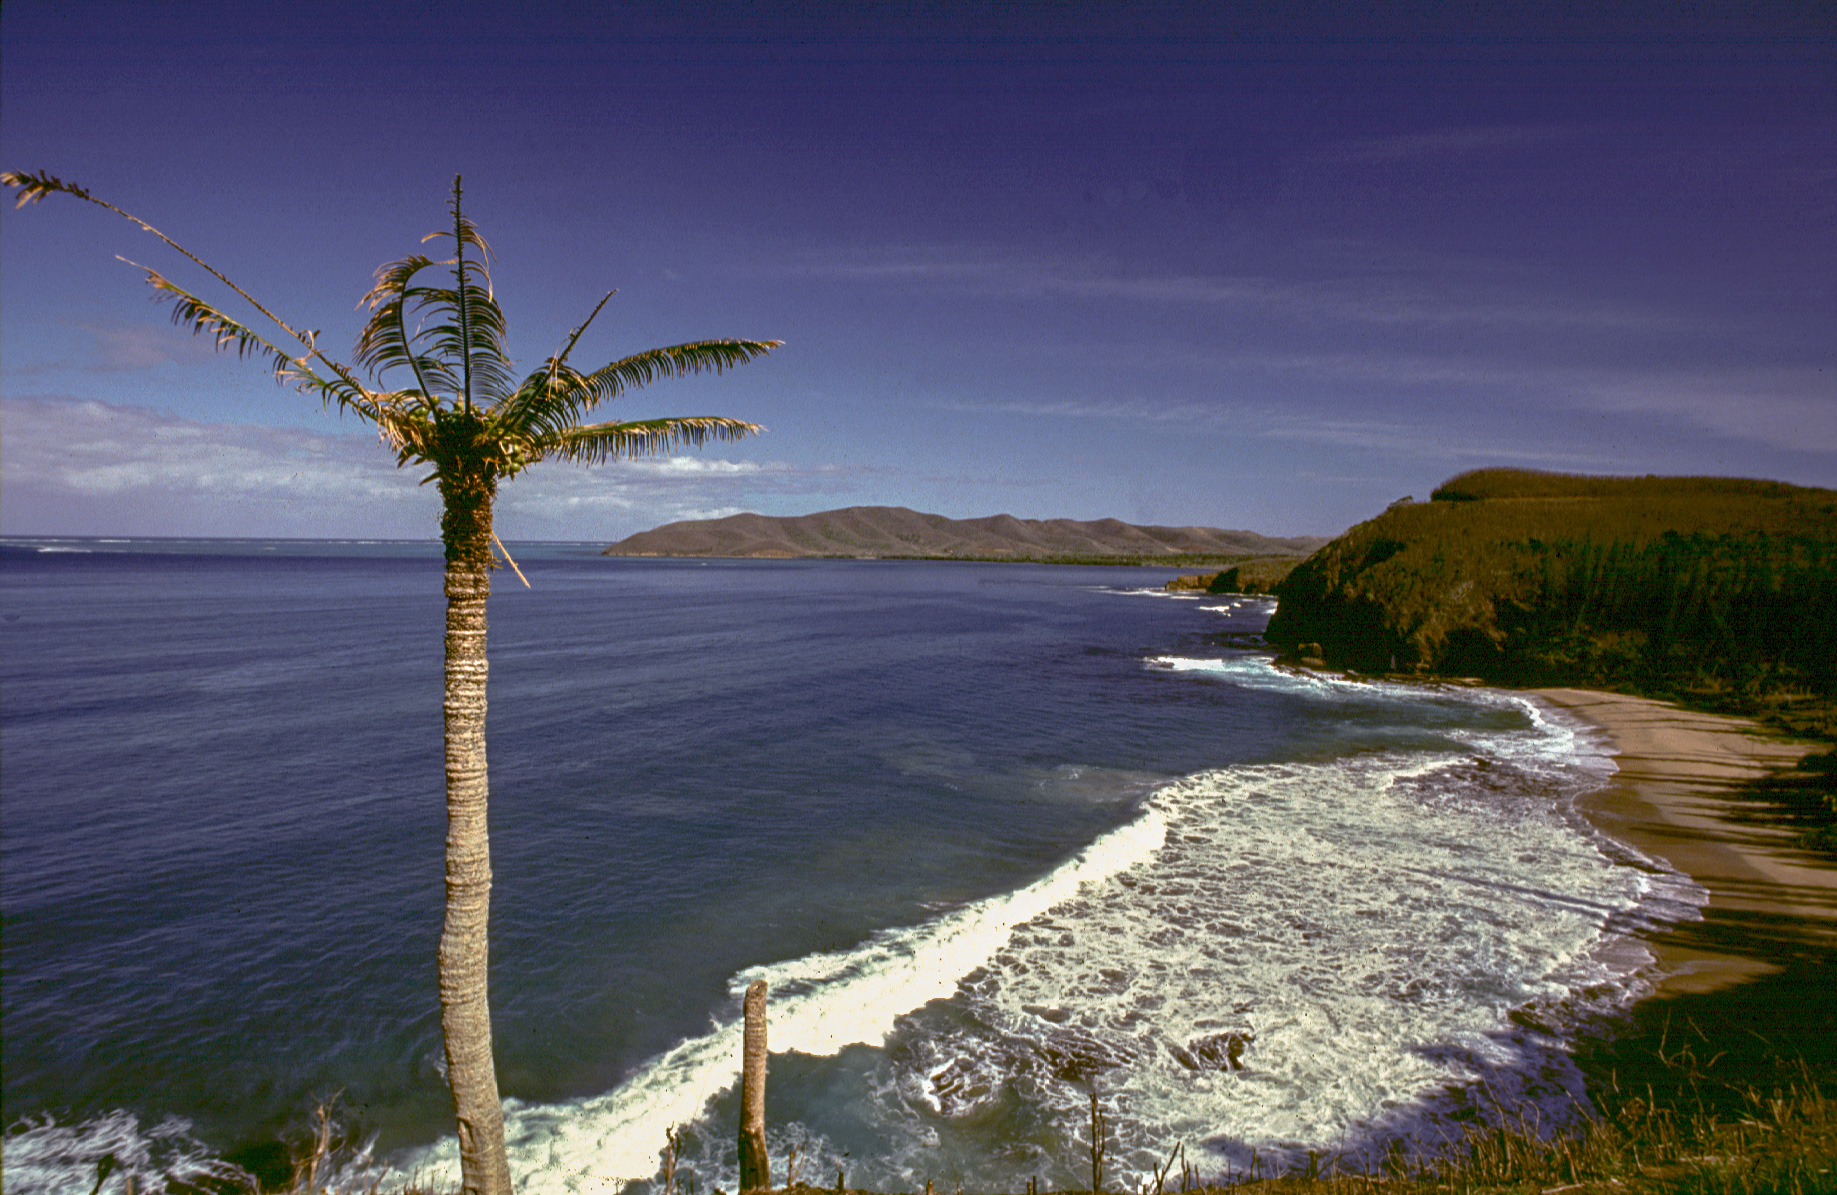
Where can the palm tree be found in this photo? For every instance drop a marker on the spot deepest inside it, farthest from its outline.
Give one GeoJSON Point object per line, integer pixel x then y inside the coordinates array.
{"type": "Point", "coordinates": [469, 419]}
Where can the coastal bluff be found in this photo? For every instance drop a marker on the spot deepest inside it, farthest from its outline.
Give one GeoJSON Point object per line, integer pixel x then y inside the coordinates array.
{"type": "Point", "coordinates": [895, 532]}
{"type": "Point", "coordinates": [1688, 587]}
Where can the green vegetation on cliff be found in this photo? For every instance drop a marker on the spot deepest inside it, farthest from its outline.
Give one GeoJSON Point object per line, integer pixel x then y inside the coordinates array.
{"type": "Point", "coordinates": [1718, 590]}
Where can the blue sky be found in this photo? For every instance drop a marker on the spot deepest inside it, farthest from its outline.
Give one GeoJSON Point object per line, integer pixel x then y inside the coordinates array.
{"type": "Point", "coordinates": [1181, 264]}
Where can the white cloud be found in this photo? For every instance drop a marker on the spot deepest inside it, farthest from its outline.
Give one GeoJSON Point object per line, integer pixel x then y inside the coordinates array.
{"type": "Point", "coordinates": [99, 468]}
{"type": "Point", "coordinates": [1131, 409]}
{"type": "Point", "coordinates": [105, 448]}
{"type": "Point", "coordinates": [125, 348]}
{"type": "Point", "coordinates": [1405, 435]}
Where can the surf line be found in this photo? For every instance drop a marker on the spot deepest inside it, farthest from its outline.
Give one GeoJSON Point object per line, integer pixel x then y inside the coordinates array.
{"type": "Point", "coordinates": [821, 1004]}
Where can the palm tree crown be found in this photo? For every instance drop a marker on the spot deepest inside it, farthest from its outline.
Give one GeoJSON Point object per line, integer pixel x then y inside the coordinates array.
{"type": "Point", "coordinates": [467, 417]}
{"type": "Point", "coordinates": [464, 403]}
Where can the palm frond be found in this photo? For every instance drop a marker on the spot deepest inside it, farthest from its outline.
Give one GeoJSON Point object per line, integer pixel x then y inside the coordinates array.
{"type": "Point", "coordinates": [392, 278]}
{"type": "Point", "coordinates": [595, 443]}
{"type": "Point", "coordinates": [339, 389]}
{"type": "Point", "coordinates": [470, 337]}
{"type": "Point", "coordinates": [385, 344]}
{"type": "Point", "coordinates": [542, 407]}
{"type": "Point", "coordinates": [34, 187]}
{"type": "Point", "coordinates": [561, 358]}
{"type": "Point", "coordinates": [385, 341]}
{"type": "Point", "coordinates": [543, 389]}
{"type": "Point", "coordinates": [484, 363]}
{"type": "Point", "coordinates": [681, 360]}
{"type": "Point", "coordinates": [554, 379]}
{"type": "Point", "coordinates": [438, 353]}
{"type": "Point", "coordinates": [464, 233]}
{"type": "Point", "coordinates": [189, 311]}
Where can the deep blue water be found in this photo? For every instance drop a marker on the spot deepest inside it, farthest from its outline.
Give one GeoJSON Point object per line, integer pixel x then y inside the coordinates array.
{"type": "Point", "coordinates": [998, 835]}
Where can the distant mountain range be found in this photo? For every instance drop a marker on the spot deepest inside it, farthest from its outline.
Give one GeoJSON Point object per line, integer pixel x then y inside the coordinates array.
{"type": "Point", "coordinates": [894, 531]}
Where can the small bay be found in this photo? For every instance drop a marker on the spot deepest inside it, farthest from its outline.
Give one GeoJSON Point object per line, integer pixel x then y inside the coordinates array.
{"type": "Point", "coordinates": [999, 836]}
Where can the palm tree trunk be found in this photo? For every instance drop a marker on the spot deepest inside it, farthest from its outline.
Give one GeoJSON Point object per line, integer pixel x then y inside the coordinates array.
{"type": "Point", "coordinates": [465, 1008]}
{"type": "Point", "coordinates": [755, 1166]}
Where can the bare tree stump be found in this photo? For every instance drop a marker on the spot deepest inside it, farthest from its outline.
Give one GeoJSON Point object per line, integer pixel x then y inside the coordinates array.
{"type": "Point", "coordinates": [755, 1167]}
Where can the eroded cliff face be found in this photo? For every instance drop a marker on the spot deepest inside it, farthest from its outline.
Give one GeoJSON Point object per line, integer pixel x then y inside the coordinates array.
{"type": "Point", "coordinates": [1530, 578]}
{"type": "Point", "coordinates": [1390, 596]}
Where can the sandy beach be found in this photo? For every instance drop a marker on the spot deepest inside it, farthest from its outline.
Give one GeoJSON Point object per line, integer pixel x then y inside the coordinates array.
{"type": "Point", "coordinates": [1676, 796]}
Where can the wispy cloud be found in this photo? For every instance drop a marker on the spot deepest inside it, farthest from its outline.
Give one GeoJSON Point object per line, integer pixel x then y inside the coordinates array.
{"type": "Point", "coordinates": [1428, 441]}
{"type": "Point", "coordinates": [124, 349]}
{"type": "Point", "coordinates": [1403, 435]}
{"type": "Point", "coordinates": [1364, 292]}
{"type": "Point", "coordinates": [1446, 143]}
{"type": "Point", "coordinates": [1792, 408]}
{"type": "Point", "coordinates": [104, 448]}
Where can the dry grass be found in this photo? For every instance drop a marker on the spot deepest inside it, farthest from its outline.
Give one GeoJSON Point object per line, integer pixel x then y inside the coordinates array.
{"type": "Point", "coordinates": [1698, 1121]}
{"type": "Point", "coordinates": [1779, 1142]}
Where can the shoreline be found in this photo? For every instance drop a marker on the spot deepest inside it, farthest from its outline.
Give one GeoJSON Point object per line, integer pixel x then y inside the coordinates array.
{"type": "Point", "coordinates": [1743, 1001]}
{"type": "Point", "coordinates": [1676, 796]}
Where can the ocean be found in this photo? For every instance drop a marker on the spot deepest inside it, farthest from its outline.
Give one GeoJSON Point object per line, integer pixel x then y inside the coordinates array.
{"type": "Point", "coordinates": [999, 837]}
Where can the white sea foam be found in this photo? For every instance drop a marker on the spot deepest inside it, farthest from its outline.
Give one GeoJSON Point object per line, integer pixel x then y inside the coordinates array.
{"type": "Point", "coordinates": [1317, 958]}
{"type": "Point", "coordinates": [43, 1157]}
{"type": "Point", "coordinates": [1178, 595]}
{"type": "Point", "coordinates": [1254, 670]}
{"type": "Point", "coordinates": [820, 1004]}
{"type": "Point", "coordinates": [1255, 605]}
{"type": "Point", "coordinates": [1243, 603]}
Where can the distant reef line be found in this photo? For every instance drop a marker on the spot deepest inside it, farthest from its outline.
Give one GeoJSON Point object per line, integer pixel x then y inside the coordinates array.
{"type": "Point", "coordinates": [897, 533]}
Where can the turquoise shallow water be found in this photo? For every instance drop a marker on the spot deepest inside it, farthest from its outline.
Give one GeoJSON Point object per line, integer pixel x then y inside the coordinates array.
{"type": "Point", "coordinates": [997, 835]}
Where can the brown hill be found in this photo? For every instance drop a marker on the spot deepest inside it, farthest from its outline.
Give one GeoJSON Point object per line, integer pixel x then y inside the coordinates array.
{"type": "Point", "coordinates": [894, 531]}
